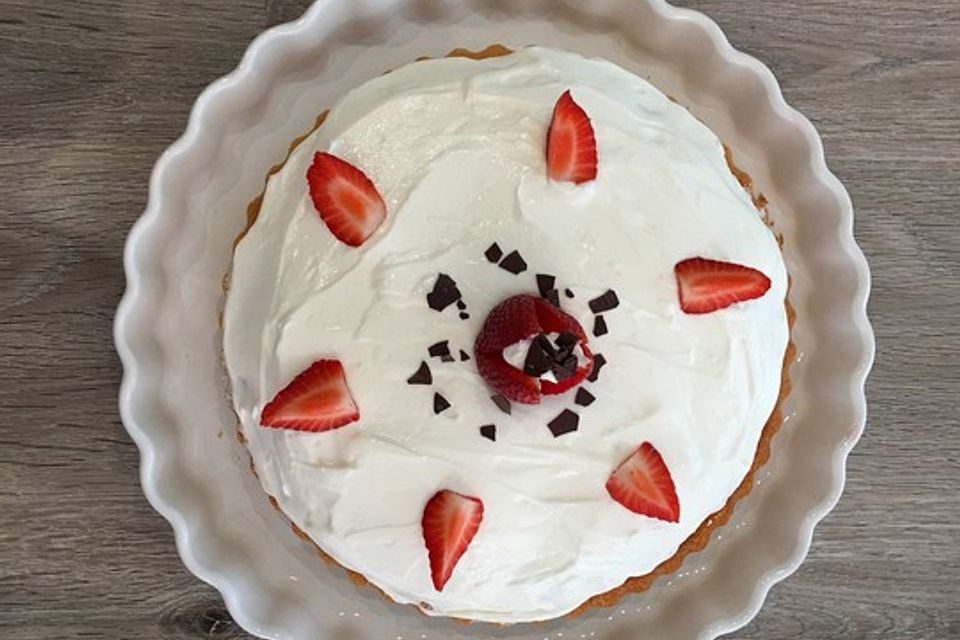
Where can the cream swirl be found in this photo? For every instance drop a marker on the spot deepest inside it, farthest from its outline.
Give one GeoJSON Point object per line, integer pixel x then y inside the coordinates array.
{"type": "Point", "coordinates": [456, 148]}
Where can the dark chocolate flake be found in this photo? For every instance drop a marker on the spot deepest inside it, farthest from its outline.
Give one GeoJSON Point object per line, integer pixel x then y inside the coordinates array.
{"type": "Point", "coordinates": [553, 297]}
{"type": "Point", "coordinates": [464, 315]}
{"type": "Point", "coordinates": [422, 375]}
{"type": "Point", "coordinates": [513, 263]}
{"type": "Point", "coordinates": [502, 403]}
{"type": "Point", "coordinates": [565, 368]}
{"type": "Point", "coordinates": [444, 293]}
{"type": "Point", "coordinates": [461, 305]}
{"type": "Point", "coordinates": [563, 353]}
{"type": "Point", "coordinates": [489, 431]}
{"type": "Point", "coordinates": [598, 362]}
{"type": "Point", "coordinates": [599, 326]}
{"type": "Point", "coordinates": [546, 345]}
{"type": "Point", "coordinates": [447, 358]}
{"type": "Point", "coordinates": [539, 360]}
{"type": "Point", "coordinates": [584, 398]}
{"type": "Point", "coordinates": [440, 404]}
{"type": "Point", "coordinates": [545, 283]}
{"type": "Point", "coordinates": [605, 302]}
{"type": "Point", "coordinates": [568, 293]}
{"type": "Point", "coordinates": [494, 253]}
{"type": "Point", "coordinates": [439, 349]}
{"type": "Point", "coordinates": [464, 356]}
{"type": "Point", "coordinates": [567, 340]}
{"type": "Point", "coordinates": [564, 423]}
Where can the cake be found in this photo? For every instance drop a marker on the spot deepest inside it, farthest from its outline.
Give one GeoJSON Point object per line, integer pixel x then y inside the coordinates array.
{"type": "Point", "coordinates": [506, 336]}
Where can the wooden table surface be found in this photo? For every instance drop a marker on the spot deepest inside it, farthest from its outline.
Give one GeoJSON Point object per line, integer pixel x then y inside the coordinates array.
{"type": "Point", "coordinates": [93, 91]}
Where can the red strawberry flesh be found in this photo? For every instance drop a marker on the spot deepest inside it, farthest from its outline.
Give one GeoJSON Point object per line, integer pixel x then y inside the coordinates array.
{"type": "Point", "coordinates": [318, 399]}
{"type": "Point", "coordinates": [642, 484]}
{"type": "Point", "coordinates": [511, 321]}
{"type": "Point", "coordinates": [514, 320]}
{"type": "Point", "coordinates": [707, 285]}
{"type": "Point", "coordinates": [509, 381]}
{"type": "Point", "coordinates": [346, 199]}
{"type": "Point", "coordinates": [450, 521]}
{"type": "Point", "coordinates": [571, 143]}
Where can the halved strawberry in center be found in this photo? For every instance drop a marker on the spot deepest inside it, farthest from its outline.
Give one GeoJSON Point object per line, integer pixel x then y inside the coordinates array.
{"type": "Point", "coordinates": [531, 322]}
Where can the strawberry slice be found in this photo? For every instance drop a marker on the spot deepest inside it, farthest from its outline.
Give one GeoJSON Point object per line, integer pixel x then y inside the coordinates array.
{"type": "Point", "coordinates": [642, 484]}
{"type": "Point", "coordinates": [345, 198]}
{"type": "Point", "coordinates": [519, 318]}
{"type": "Point", "coordinates": [316, 400]}
{"type": "Point", "coordinates": [709, 285]}
{"type": "Point", "coordinates": [571, 144]}
{"type": "Point", "coordinates": [450, 520]}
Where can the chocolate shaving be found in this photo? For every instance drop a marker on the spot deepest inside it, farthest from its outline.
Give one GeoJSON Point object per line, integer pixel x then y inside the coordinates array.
{"type": "Point", "coordinates": [563, 353]}
{"type": "Point", "coordinates": [493, 253]}
{"type": "Point", "coordinates": [461, 305]}
{"type": "Point", "coordinates": [444, 293]}
{"type": "Point", "coordinates": [568, 293]}
{"type": "Point", "coordinates": [565, 368]}
{"type": "Point", "coordinates": [513, 263]}
{"type": "Point", "coordinates": [546, 345]}
{"type": "Point", "coordinates": [598, 362]}
{"type": "Point", "coordinates": [567, 340]}
{"type": "Point", "coordinates": [447, 358]}
{"type": "Point", "coordinates": [545, 283]}
{"type": "Point", "coordinates": [543, 356]}
{"type": "Point", "coordinates": [564, 423]}
{"type": "Point", "coordinates": [440, 404]}
{"type": "Point", "coordinates": [584, 398]}
{"type": "Point", "coordinates": [439, 349]}
{"type": "Point", "coordinates": [502, 403]}
{"type": "Point", "coordinates": [553, 297]}
{"type": "Point", "coordinates": [422, 375]}
{"type": "Point", "coordinates": [464, 315]}
{"type": "Point", "coordinates": [599, 326]}
{"type": "Point", "coordinates": [605, 302]}
{"type": "Point", "coordinates": [538, 360]}
{"type": "Point", "coordinates": [489, 431]}
{"type": "Point", "coordinates": [464, 356]}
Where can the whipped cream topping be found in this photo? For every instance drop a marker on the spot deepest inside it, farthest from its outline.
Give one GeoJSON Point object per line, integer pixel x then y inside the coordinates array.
{"type": "Point", "coordinates": [456, 148]}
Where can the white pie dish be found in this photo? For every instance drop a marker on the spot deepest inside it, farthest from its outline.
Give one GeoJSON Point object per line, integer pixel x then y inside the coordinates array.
{"type": "Point", "coordinates": [174, 398]}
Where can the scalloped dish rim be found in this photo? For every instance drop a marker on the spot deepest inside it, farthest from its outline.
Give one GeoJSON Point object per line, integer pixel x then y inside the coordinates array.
{"type": "Point", "coordinates": [146, 369]}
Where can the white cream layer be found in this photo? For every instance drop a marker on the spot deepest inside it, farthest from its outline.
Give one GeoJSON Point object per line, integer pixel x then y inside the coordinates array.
{"type": "Point", "coordinates": [456, 148]}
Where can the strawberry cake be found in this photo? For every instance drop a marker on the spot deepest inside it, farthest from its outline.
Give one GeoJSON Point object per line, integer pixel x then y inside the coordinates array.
{"type": "Point", "coordinates": [506, 335]}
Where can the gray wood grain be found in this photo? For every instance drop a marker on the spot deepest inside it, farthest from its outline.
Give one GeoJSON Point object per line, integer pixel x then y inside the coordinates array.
{"type": "Point", "coordinates": [91, 92]}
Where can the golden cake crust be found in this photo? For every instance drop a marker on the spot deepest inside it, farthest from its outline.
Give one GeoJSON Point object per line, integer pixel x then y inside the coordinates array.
{"type": "Point", "coordinates": [699, 538]}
